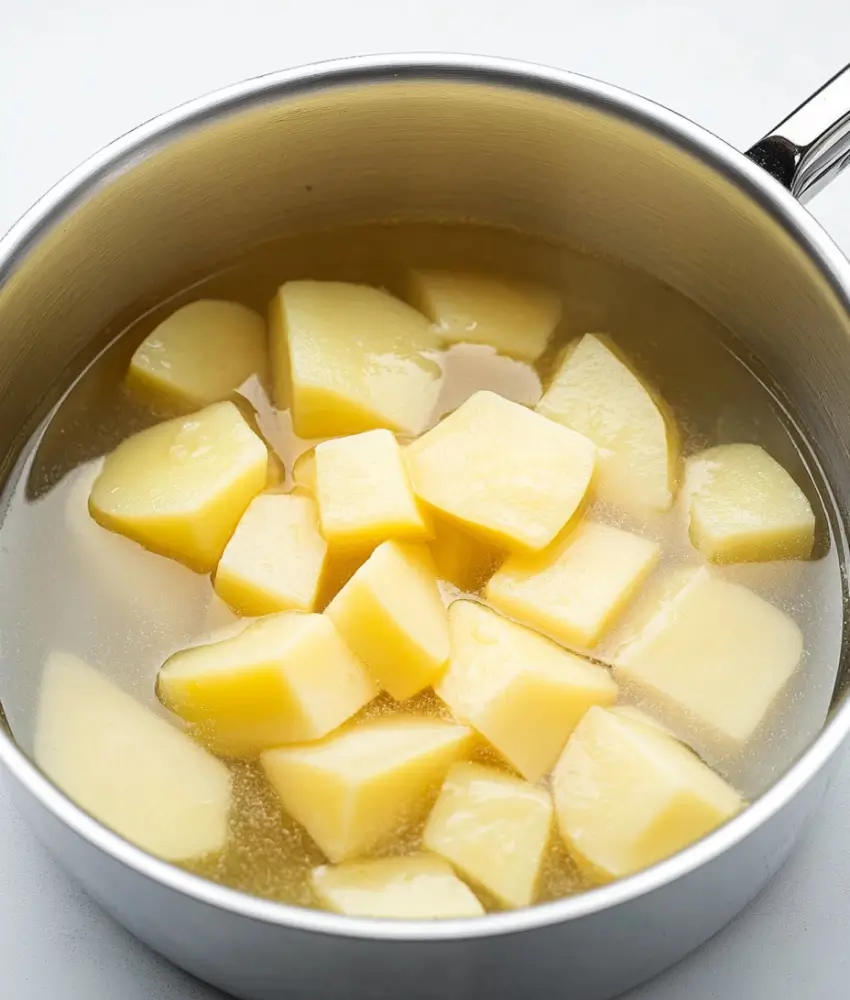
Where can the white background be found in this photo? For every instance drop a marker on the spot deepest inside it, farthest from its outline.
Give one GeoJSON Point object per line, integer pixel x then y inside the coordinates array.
{"type": "Point", "coordinates": [75, 73]}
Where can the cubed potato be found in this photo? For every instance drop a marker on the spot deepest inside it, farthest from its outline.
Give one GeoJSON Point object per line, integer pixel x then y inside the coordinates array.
{"type": "Point", "coordinates": [712, 656]}
{"type": "Point", "coordinates": [503, 472]}
{"type": "Point", "coordinates": [391, 615]}
{"type": "Point", "coordinates": [129, 768]}
{"type": "Point", "coordinates": [275, 559]}
{"type": "Point", "coordinates": [494, 829]}
{"type": "Point", "coordinates": [288, 678]}
{"type": "Point", "coordinates": [349, 358]}
{"type": "Point", "coordinates": [200, 354]}
{"type": "Point", "coordinates": [595, 392]}
{"type": "Point", "coordinates": [180, 488]}
{"type": "Point", "coordinates": [304, 471]}
{"type": "Point", "coordinates": [576, 588]}
{"type": "Point", "coordinates": [364, 493]}
{"type": "Point", "coordinates": [367, 783]}
{"type": "Point", "coordinates": [744, 507]}
{"type": "Point", "coordinates": [460, 558]}
{"type": "Point", "coordinates": [516, 317]}
{"type": "Point", "coordinates": [628, 795]}
{"type": "Point", "coordinates": [522, 692]}
{"type": "Point", "coordinates": [422, 887]}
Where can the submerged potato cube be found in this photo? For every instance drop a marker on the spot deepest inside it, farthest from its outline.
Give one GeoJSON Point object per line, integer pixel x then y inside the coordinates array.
{"type": "Point", "coordinates": [422, 887]}
{"type": "Point", "coordinates": [275, 559]}
{"type": "Point", "coordinates": [502, 471]}
{"type": "Point", "coordinates": [180, 488]}
{"type": "Point", "coordinates": [744, 507]}
{"type": "Point", "coordinates": [348, 358]}
{"type": "Point", "coordinates": [628, 795]}
{"type": "Point", "coordinates": [391, 614]}
{"type": "Point", "coordinates": [522, 692]}
{"type": "Point", "coordinates": [365, 784]}
{"type": "Point", "coordinates": [597, 394]}
{"type": "Point", "coordinates": [577, 587]}
{"type": "Point", "coordinates": [516, 317]}
{"type": "Point", "coordinates": [364, 492]}
{"type": "Point", "coordinates": [494, 828]}
{"type": "Point", "coordinates": [201, 353]}
{"type": "Point", "coordinates": [712, 655]}
{"type": "Point", "coordinates": [459, 557]}
{"type": "Point", "coordinates": [129, 768]}
{"type": "Point", "coordinates": [287, 678]}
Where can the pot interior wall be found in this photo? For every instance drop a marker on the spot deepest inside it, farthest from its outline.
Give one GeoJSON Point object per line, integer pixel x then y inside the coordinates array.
{"type": "Point", "coordinates": [404, 146]}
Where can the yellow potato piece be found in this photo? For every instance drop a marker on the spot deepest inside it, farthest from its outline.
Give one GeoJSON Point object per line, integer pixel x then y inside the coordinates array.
{"type": "Point", "coordinates": [577, 587]}
{"type": "Point", "coordinates": [128, 767]}
{"type": "Point", "coordinates": [391, 614]}
{"type": "Point", "coordinates": [414, 888]}
{"type": "Point", "coordinates": [364, 492]}
{"type": "Point", "coordinates": [523, 693]}
{"type": "Point", "coordinates": [339, 565]}
{"type": "Point", "coordinates": [287, 678]}
{"type": "Point", "coordinates": [516, 317]}
{"type": "Point", "coordinates": [597, 394]}
{"type": "Point", "coordinates": [201, 353]}
{"type": "Point", "coordinates": [494, 828]}
{"type": "Point", "coordinates": [180, 488]}
{"type": "Point", "coordinates": [503, 472]}
{"type": "Point", "coordinates": [711, 655]}
{"type": "Point", "coordinates": [744, 507]}
{"type": "Point", "coordinates": [628, 795]}
{"type": "Point", "coordinates": [304, 471]}
{"type": "Point", "coordinates": [275, 559]}
{"type": "Point", "coordinates": [366, 784]}
{"type": "Point", "coordinates": [460, 558]}
{"type": "Point", "coordinates": [349, 358]}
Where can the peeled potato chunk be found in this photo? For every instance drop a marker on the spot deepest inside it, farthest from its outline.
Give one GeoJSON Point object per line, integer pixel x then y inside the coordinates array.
{"type": "Point", "coordinates": [348, 358]}
{"type": "Point", "coordinates": [628, 795]}
{"type": "Point", "coordinates": [364, 492]}
{"type": "Point", "coordinates": [365, 784]}
{"type": "Point", "coordinates": [287, 678]}
{"type": "Point", "coordinates": [201, 353]}
{"type": "Point", "coordinates": [275, 558]}
{"type": "Point", "coordinates": [597, 394]}
{"type": "Point", "coordinates": [744, 507]}
{"type": "Point", "coordinates": [180, 488]}
{"type": "Point", "coordinates": [391, 614]}
{"type": "Point", "coordinates": [415, 888]}
{"type": "Point", "coordinates": [459, 557]}
{"type": "Point", "coordinates": [523, 693]}
{"type": "Point", "coordinates": [494, 828]}
{"type": "Point", "coordinates": [514, 316]}
{"type": "Point", "coordinates": [712, 655]}
{"type": "Point", "coordinates": [502, 471]}
{"type": "Point", "coordinates": [577, 587]}
{"type": "Point", "coordinates": [129, 768]}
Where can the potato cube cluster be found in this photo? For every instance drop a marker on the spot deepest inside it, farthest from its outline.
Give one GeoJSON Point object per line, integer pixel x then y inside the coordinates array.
{"type": "Point", "coordinates": [438, 629]}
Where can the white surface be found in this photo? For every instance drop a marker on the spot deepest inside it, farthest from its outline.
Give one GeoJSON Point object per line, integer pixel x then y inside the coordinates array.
{"type": "Point", "coordinates": [75, 73]}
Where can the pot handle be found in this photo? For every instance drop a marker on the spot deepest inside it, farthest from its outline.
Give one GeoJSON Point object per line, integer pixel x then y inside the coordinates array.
{"type": "Point", "coordinates": [812, 145]}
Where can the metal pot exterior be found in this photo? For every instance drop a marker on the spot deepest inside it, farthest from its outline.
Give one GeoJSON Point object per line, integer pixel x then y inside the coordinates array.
{"type": "Point", "coordinates": [445, 137]}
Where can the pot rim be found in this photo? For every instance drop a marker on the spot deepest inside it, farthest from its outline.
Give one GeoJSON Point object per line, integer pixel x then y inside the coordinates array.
{"type": "Point", "coordinates": [120, 155]}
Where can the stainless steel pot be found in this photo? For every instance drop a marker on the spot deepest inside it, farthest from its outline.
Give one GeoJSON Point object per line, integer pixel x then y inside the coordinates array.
{"type": "Point", "coordinates": [451, 137]}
